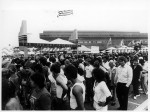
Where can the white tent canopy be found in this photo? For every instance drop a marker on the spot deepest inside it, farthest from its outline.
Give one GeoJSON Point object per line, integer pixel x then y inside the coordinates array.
{"type": "Point", "coordinates": [60, 41]}
{"type": "Point", "coordinates": [83, 48]}
{"type": "Point", "coordinates": [39, 41]}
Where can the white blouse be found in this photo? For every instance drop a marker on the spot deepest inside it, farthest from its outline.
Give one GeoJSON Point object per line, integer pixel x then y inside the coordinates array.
{"type": "Point", "coordinates": [101, 92]}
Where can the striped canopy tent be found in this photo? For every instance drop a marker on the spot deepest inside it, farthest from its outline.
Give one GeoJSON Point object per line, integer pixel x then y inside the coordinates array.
{"type": "Point", "coordinates": [53, 49]}
{"type": "Point", "coordinates": [62, 49]}
{"type": "Point", "coordinates": [48, 49]}
{"type": "Point", "coordinates": [44, 49]}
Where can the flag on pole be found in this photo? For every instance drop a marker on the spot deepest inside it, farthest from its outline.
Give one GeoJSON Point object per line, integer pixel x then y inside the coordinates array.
{"type": "Point", "coordinates": [131, 43]}
{"type": "Point", "coordinates": [74, 36]}
{"type": "Point", "coordinates": [139, 41]}
{"type": "Point", "coordinates": [109, 42]}
{"type": "Point", "coordinates": [65, 13]}
{"type": "Point", "coordinates": [122, 43]}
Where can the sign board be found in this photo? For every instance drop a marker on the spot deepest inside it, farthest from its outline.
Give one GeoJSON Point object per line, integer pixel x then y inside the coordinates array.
{"type": "Point", "coordinates": [94, 49]}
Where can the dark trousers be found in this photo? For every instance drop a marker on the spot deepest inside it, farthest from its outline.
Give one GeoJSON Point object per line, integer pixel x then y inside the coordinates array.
{"type": "Point", "coordinates": [122, 94]}
{"type": "Point", "coordinates": [135, 87]}
{"type": "Point", "coordinates": [89, 88]}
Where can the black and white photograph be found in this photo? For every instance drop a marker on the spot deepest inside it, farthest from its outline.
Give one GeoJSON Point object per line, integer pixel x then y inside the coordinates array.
{"type": "Point", "coordinates": [69, 55]}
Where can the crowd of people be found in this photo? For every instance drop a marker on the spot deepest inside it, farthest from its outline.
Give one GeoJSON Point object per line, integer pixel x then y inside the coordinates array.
{"type": "Point", "coordinates": [68, 81]}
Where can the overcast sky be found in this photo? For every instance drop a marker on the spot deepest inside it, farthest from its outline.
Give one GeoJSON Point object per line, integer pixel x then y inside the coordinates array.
{"type": "Point", "coordinates": [99, 15]}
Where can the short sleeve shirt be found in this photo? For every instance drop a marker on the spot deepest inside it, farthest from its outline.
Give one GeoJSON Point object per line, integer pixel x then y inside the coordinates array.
{"type": "Point", "coordinates": [89, 70]}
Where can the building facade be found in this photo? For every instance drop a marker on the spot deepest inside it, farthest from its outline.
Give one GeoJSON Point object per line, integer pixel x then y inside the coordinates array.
{"type": "Point", "coordinates": [98, 38]}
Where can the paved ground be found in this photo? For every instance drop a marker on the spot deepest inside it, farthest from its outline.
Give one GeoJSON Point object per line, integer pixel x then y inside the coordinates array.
{"type": "Point", "coordinates": [132, 104]}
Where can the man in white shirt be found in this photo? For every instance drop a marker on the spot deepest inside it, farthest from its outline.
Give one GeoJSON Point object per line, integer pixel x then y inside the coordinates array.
{"type": "Point", "coordinates": [123, 79]}
{"type": "Point", "coordinates": [105, 62]}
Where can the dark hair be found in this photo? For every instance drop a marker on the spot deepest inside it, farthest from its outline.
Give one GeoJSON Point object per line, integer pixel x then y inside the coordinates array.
{"type": "Point", "coordinates": [55, 67]}
{"type": "Point", "coordinates": [71, 71]}
{"type": "Point", "coordinates": [38, 67]}
{"type": "Point", "coordinates": [135, 58]}
{"type": "Point", "coordinates": [38, 79]}
{"type": "Point", "coordinates": [96, 64]}
{"type": "Point", "coordinates": [100, 60]}
{"type": "Point", "coordinates": [52, 59]}
{"type": "Point", "coordinates": [48, 64]}
{"type": "Point", "coordinates": [75, 63]}
{"type": "Point", "coordinates": [43, 60]}
{"type": "Point", "coordinates": [98, 74]}
{"type": "Point", "coordinates": [80, 71]}
{"type": "Point", "coordinates": [106, 57]}
{"type": "Point", "coordinates": [88, 60]}
{"type": "Point", "coordinates": [80, 60]}
{"type": "Point", "coordinates": [122, 58]}
{"type": "Point", "coordinates": [141, 61]}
